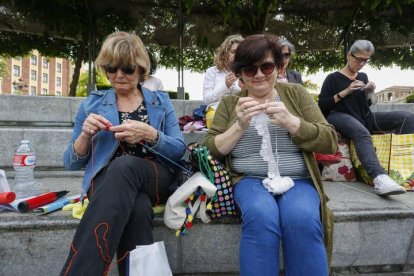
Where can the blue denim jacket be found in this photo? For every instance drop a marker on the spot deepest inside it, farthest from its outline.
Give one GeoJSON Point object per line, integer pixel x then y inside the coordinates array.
{"type": "Point", "coordinates": [161, 116]}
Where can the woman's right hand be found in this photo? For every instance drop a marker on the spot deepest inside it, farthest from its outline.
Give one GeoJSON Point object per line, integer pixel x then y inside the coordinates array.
{"type": "Point", "coordinates": [355, 85]}
{"type": "Point", "coordinates": [246, 109]}
{"type": "Point", "coordinates": [230, 79]}
{"type": "Point", "coordinates": [93, 123]}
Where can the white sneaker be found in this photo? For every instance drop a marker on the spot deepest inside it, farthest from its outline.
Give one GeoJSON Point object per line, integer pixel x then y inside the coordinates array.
{"type": "Point", "coordinates": [384, 185]}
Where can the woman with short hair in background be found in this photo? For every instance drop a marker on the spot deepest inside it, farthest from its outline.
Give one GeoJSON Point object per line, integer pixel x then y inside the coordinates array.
{"type": "Point", "coordinates": [345, 100]}
{"type": "Point", "coordinates": [285, 75]}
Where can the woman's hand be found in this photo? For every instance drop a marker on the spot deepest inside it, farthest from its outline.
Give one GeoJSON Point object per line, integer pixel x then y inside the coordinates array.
{"type": "Point", "coordinates": [355, 85]}
{"type": "Point", "coordinates": [246, 108]}
{"type": "Point", "coordinates": [369, 87]}
{"type": "Point", "coordinates": [134, 132]}
{"type": "Point", "coordinates": [280, 116]}
{"type": "Point", "coordinates": [230, 79]}
{"type": "Point", "coordinates": [93, 123]}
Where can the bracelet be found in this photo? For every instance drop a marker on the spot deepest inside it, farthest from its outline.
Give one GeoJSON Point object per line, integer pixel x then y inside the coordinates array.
{"type": "Point", "coordinates": [339, 96]}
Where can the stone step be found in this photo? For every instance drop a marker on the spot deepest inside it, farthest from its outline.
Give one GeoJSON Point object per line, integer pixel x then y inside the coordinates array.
{"type": "Point", "coordinates": [372, 234]}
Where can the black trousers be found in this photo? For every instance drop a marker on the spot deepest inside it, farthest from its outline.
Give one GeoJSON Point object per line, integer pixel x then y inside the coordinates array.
{"type": "Point", "coordinates": [119, 215]}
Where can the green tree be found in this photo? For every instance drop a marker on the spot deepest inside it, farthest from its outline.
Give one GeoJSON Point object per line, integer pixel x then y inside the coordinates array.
{"type": "Point", "coordinates": [3, 67]}
{"type": "Point", "coordinates": [320, 30]}
{"type": "Point", "coordinates": [410, 99]}
{"type": "Point", "coordinates": [101, 80]}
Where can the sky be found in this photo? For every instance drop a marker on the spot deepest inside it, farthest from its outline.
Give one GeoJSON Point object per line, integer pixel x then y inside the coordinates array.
{"type": "Point", "coordinates": [383, 78]}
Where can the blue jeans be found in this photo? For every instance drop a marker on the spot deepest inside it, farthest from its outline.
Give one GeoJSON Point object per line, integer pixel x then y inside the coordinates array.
{"type": "Point", "coordinates": [400, 122]}
{"type": "Point", "coordinates": [293, 218]}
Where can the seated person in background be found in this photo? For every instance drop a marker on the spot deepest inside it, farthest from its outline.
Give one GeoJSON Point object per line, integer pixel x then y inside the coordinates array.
{"type": "Point", "coordinates": [296, 216]}
{"type": "Point", "coordinates": [151, 82]}
{"type": "Point", "coordinates": [284, 75]}
{"type": "Point", "coordinates": [219, 80]}
{"type": "Point", "coordinates": [113, 132]}
{"type": "Point", "coordinates": [345, 102]}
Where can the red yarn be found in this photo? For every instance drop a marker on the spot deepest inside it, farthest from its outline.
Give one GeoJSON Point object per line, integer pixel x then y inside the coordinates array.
{"type": "Point", "coordinates": [75, 252]}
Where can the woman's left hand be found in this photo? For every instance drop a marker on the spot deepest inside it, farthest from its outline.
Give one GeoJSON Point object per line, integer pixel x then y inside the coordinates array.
{"type": "Point", "coordinates": [280, 116]}
{"type": "Point", "coordinates": [134, 132]}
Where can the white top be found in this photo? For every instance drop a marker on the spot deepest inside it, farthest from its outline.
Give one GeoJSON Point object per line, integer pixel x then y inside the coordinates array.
{"type": "Point", "coordinates": [153, 84]}
{"type": "Point", "coordinates": [214, 86]}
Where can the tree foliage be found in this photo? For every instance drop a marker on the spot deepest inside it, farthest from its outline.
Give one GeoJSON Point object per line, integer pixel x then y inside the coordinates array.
{"type": "Point", "coordinates": [3, 68]}
{"type": "Point", "coordinates": [320, 30]}
{"type": "Point", "coordinates": [101, 80]}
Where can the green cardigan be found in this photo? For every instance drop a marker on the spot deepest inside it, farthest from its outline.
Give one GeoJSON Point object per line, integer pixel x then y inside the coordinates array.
{"type": "Point", "coordinates": [315, 134]}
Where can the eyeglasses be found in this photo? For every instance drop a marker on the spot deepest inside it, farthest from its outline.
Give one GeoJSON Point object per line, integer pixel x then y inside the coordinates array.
{"type": "Point", "coordinates": [286, 55]}
{"type": "Point", "coordinates": [359, 59]}
{"type": "Point", "coordinates": [127, 70]}
{"type": "Point", "coordinates": [267, 68]}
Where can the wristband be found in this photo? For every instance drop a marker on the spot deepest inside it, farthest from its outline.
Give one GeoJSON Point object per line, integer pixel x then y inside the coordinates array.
{"type": "Point", "coordinates": [339, 96]}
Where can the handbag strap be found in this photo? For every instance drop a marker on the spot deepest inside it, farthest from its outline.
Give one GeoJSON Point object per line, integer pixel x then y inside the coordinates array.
{"type": "Point", "coordinates": [203, 163]}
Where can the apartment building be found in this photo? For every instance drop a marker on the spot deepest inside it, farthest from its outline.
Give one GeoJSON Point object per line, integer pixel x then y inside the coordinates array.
{"type": "Point", "coordinates": [394, 94]}
{"type": "Point", "coordinates": [37, 75]}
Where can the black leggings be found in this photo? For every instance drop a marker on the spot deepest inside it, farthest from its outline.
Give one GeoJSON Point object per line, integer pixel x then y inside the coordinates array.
{"type": "Point", "coordinates": [119, 215]}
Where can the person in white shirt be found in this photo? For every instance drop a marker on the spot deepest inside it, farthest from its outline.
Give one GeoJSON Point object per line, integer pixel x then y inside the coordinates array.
{"type": "Point", "coordinates": [151, 82]}
{"type": "Point", "coordinates": [219, 80]}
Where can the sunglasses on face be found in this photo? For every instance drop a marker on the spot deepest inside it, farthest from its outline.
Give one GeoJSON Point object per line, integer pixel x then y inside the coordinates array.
{"type": "Point", "coordinates": [267, 68]}
{"type": "Point", "coordinates": [127, 70]}
{"type": "Point", "coordinates": [359, 59]}
{"type": "Point", "coordinates": [286, 55]}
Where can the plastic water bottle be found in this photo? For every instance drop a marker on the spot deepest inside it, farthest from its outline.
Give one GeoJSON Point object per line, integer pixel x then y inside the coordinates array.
{"type": "Point", "coordinates": [24, 161]}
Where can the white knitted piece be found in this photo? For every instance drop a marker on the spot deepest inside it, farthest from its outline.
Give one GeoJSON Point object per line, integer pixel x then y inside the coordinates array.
{"type": "Point", "coordinates": [274, 183]}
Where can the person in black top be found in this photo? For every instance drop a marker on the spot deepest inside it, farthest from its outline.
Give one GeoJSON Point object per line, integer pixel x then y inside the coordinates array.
{"type": "Point", "coordinates": [345, 100]}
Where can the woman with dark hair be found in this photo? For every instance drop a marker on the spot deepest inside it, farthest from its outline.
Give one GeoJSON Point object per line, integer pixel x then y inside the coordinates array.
{"type": "Point", "coordinates": [151, 82]}
{"type": "Point", "coordinates": [345, 101]}
{"type": "Point", "coordinates": [266, 135]}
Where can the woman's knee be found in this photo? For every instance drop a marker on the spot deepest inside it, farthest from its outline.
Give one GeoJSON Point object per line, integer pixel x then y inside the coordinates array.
{"type": "Point", "coordinates": [302, 220]}
{"type": "Point", "coordinates": [125, 164]}
{"type": "Point", "coordinates": [142, 210]}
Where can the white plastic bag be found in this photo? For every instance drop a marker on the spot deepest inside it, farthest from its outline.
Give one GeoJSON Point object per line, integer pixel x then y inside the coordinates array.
{"type": "Point", "coordinates": [149, 260]}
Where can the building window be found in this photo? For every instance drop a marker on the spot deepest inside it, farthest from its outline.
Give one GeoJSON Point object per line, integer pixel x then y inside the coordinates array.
{"type": "Point", "coordinates": [15, 87]}
{"type": "Point", "coordinates": [33, 75]}
{"type": "Point", "coordinates": [44, 91]}
{"type": "Point", "coordinates": [16, 70]}
{"type": "Point", "coordinates": [33, 60]}
{"type": "Point", "coordinates": [45, 63]}
{"type": "Point", "coordinates": [44, 79]}
{"type": "Point", "coordinates": [59, 67]}
{"type": "Point", "coordinates": [58, 81]}
{"type": "Point", "coordinates": [58, 93]}
{"type": "Point", "coordinates": [32, 90]}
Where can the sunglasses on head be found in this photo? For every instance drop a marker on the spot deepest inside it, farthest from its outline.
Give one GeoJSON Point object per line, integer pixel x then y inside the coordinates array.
{"type": "Point", "coordinates": [267, 68]}
{"type": "Point", "coordinates": [127, 70]}
{"type": "Point", "coordinates": [359, 59]}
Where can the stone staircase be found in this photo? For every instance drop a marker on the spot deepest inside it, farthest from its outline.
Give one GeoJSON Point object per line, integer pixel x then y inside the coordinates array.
{"type": "Point", "coordinates": [373, 235]}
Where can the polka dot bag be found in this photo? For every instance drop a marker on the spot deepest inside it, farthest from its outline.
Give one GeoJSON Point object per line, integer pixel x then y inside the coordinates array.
{"type": "Point", "coordinates": [222, 203]}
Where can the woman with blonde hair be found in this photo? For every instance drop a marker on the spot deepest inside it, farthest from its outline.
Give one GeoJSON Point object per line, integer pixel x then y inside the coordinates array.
{"type": "Point", "coordinates": [219, 80]}
{"type": "Point", "coordinates": [115, 134]}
